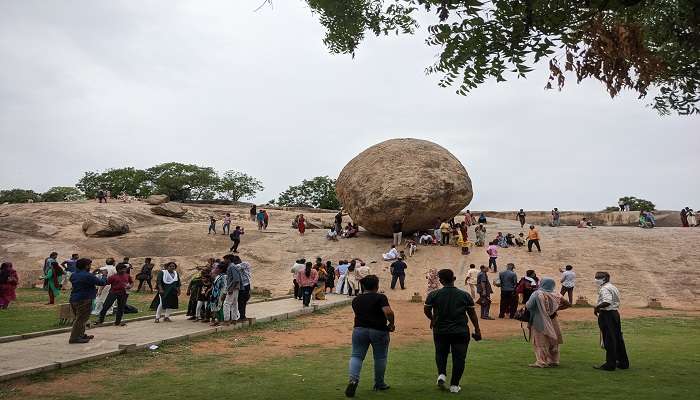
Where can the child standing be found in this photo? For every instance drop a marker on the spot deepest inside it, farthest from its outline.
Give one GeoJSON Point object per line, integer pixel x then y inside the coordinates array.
{"type": "Point", "coordinates": [212, 225]}
{"type": "Point", "coordinates": [492, 251]}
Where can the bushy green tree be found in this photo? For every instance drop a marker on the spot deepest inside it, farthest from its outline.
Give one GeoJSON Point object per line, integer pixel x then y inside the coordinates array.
{"type": "Point", "coordinates": [62, 193]}
{"type": "Point", "coordinates": [130, 180]}
{"type": "Point", "coordinates": [184, 181]}
{"type": "Point", "coordinates": [18, 196]}
{"type": "Point", "coordinates": [318, 192]}
{"type": "Point", "coordinates": [638, 204]}
{"type": "Point", "coordinates": [237, 185]}
{"type": "Point", "coordinates": [625, 44]}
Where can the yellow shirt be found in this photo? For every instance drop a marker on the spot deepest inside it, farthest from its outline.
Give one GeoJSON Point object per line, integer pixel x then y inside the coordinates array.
{"type": "Point", "coordinates": [533, 234]}
{"type": "Point", "coordinates": [445, 227]}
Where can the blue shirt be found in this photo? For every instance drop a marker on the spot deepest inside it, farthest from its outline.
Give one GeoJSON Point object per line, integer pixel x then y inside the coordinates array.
{"type": "Point", "coordinates": [509, 280]}
{"type": "Point", "coordinates": [84, 285]}
{"type": "Point", "coordinates": [70, 265]}
{"type": "Point", "coordinates": [343, 269]}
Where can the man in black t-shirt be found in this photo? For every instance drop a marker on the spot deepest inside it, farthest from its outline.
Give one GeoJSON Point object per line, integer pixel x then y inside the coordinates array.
{"type": "Point", "coordinates": [447, 309]}
{"type": "Point", "coordinates": [398, 272]}
{"type": "Point", "coordinates": [374, 319]}
{"type": "Point", "coordinates": [397, 229]}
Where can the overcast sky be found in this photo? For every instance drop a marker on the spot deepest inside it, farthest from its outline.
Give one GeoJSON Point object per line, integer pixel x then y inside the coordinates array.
{"type": "Point", "coordinates": [87, 85]}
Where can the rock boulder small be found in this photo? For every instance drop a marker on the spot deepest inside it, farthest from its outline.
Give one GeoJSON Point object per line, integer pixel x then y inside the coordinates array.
{"type": "Point", "coordinates": [156, 199]}
{"type": "Point", "coordinates": [169, 210]}
{"type": "Point", "coordinates": [111, 226]}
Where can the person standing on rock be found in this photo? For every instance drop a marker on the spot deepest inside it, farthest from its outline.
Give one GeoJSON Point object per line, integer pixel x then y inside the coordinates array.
{"type": "Point", "coordinates": [690, 214]}
{"type": "Point", "coordinates": [484, 290]}
{"type": "Point", "coordinates": [492, 251]}
{"type": "Point", "coordinates": [555, 217]}
{"type": "Point", "coordinates": [521, 217]}
{"type": "Point", "coordinates": [437, 232]}
{"type": "Point", "coordinates": [684, 218]}
{"type": "Point", "coordinates": [606, 310]}
{"type": "Point", "coordinates": [339, 222]}
{"type": "Point", "coordinates": [398, 272]}
{"type": "Point", "coordinates": [301, 224]}
{"type": "Point", "coordinates": [533, 237]}
{"type": "Point", "coordinates": [397, 229]}
{"type": "Point", "coordinates": [168, 286]}
{"type": "Point", "coordinates": [266, 219]}
{"type": "Point", "coordinates": [260, 217]}
{"type": "Point", "coordinates": [236, 238]}
{"type": "Point", "coordinates": [568, 282]}
{"type": "Point", "coordinates": [83, 293]}
{"type": "Point", "coordinates": [253, 212]}
{"type": "Point", "coordinates": [447, 309]}
{"type": "Point", "coordinates": [374, 319]}
{"type": "Point", "coordinates": [445, 230]}
{"type": "Point", "coordinates": [480, 232]}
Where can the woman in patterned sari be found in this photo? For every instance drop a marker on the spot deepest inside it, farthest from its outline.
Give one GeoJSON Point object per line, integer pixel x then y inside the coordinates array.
{"type": "Point", "coordinates": [544, 328]}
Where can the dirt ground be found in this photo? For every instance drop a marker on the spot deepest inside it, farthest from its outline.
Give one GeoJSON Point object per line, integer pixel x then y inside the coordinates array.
{"type": "Point", "coordinates": [663, 263]}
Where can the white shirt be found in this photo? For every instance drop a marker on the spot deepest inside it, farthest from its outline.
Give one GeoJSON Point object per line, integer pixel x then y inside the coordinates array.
{"type": "Point", "coordinates": [609, 294]}
{"type": "Point", "coordinates": [568, 279]}
{"type": "Point", "coordinates": [472, 274]}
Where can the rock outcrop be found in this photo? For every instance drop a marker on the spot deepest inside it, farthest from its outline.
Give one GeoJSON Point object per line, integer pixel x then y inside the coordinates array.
{"type": "Point", "coordinates": [169, 210]}
{"type": "Point", "coordinates": [410, 179]}
{"type": "Point", "coordinates": [111, 226]}
{"type": "Point", "coordinates": [156, 199]}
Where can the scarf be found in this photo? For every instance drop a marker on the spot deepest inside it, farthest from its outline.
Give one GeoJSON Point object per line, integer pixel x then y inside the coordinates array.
{"type": "Point", "coordinates": [168, 277]}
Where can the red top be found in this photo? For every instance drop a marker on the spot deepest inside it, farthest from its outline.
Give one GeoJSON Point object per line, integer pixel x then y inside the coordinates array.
{"type": "Point", "coordinates": [119, 282]}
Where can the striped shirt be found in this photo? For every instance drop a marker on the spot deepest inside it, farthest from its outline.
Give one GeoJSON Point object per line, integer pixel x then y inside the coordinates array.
{"type": "Point", "coordinates": [609, 294]}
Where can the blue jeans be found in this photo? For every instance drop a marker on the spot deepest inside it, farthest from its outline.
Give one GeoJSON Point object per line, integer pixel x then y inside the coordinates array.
{"type": "Point", "coordinates": [361, 340]}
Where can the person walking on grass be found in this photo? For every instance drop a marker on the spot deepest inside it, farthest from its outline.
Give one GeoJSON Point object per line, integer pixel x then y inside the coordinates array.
{"type": "Point", "coordinates": [168, 287]}
{"type": "Point", "coordinates": [484, 290]}
{"type": "Point", "coordinates": [533, 237]}
{"type": "Point", "coordinates": [544, 326]}
{"type": "Point", "coordinates": [398, 273]}
{"type": "Point", "coordinates": [69, 267]}
{"type": "Point", "coordinates": [509, 299]}
{"type": "Point", "coordinates": [145, 275]}
{"type": "Point", "coordinates": [568, 282]}
{"type": "Point", "coordinates": [492, 251]}
{"type": "Point", "coordinates": [374, 320]}
{"type": "Point", "coordinates": [119, 284]}
{"type": "Point", "coordinates": [447, 309]}
{"type": "Point", "coordinates": [606, 310]}
{"type": "Point", "coordinates": [470, 281]}
{"type": "Point", "coordinates": [83, 292]}
{"type": "Point", "coordinates": [8, 284]}
{"type": "Point", "coordinates": [54, 277]}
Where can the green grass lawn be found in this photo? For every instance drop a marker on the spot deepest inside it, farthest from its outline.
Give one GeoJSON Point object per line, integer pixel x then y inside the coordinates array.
{"type": "Point", "coordinates": [29, 313]}
{"type": "Point", "coordinates": [663, 353]}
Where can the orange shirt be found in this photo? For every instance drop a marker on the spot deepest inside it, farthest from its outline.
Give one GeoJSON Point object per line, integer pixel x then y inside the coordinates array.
{"type": "Point", "coordinates": [533, 234]}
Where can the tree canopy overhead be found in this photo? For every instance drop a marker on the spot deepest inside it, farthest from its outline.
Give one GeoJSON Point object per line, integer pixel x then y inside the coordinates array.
{"type": "Point", "coordinates": [318, 192]}
{"type": "Point", "coordinates": [639, 45]}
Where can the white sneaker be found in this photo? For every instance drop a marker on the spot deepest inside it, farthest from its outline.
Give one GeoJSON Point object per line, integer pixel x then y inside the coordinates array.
{"type": "Point", "coordinates": [455, 389]}
{"type": "Point", "coordinates": [441, 381]}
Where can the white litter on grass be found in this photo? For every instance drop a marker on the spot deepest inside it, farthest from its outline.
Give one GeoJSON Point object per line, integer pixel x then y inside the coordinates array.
{"type": "Point", "coordinates": [153, 347]}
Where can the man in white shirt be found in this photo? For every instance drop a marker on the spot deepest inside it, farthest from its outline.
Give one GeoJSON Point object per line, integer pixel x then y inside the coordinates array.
{"type": "Point", "coordinates": [298, 266]}
{"type": "Point", "coordinates": [609, 323]}
{"type": "Point", "coordinates": [568, 281]}
{"type": "Point", "coordinates": [470, 282]}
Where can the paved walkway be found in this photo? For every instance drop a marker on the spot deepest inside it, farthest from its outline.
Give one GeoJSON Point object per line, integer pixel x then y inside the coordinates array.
{"type": "Point", "coordinates": [31, 356]}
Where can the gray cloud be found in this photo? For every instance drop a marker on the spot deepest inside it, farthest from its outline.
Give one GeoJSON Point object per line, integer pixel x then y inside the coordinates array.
{"type": "Point", "coordinates": [94, 85]}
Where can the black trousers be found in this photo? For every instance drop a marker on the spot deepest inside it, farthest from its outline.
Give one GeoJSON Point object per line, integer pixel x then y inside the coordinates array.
{"type": "Point", "coordinates": [109, 301]}
{"type": "Point", "coordinates": [457, 344]}
{"type": "Point", "coordinates": [569, 291]}
{"type": "Point", "coordinates": [509, 303]}
{"type": "Point", "coordinates": [401, 278]}
{"type": "Point", "coordinates": [611, 329]}
{"type": "Point", "coordinates": [536, 242]}
{"type": "Point", "coordinates": [492, 261]}
{"type": "Point", "coordinates": [234, 248]}
{"type": "Point", "coordinates": [297, 292]}
{"type": "Point", "coordinates": [141, 281]}
{"type": "Point", "coordinates": [445, 238]}
{"type": "Point", "coordinates": [306, 294]}
{"type": "Point", "coordinates": [243, 297]}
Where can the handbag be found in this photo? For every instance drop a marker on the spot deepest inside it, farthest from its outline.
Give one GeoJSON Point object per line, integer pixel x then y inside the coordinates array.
{"type": "Point", "coordinates": [523, 315]}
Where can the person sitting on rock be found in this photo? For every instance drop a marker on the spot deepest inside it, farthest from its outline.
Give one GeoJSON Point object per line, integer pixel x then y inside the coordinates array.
{"type": "Point", "coordinates": [426, 238]}
{"type": "Point", "coordinates": [501, 240]}
{"type": "Point", "coordinates": [520, 240]}
{"type": "Point", "coordinates": [509, 239]}
{"type": "Point", "coordinates": [393, 254]}
{"type": "Point", "coordinates": [332, 235]}
{"type": "Point", "coordinates": [351, 231]}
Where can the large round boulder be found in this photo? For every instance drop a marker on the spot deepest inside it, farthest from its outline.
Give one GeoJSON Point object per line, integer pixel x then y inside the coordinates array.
{"type": "Point", "coordinates": [105, 227]}
{"type": "Point", "coordinates": [156, 199]}
{"type": "Point", "coordinates": [169, 210]}
{"type": "Point", "coordinates": [413, 180]}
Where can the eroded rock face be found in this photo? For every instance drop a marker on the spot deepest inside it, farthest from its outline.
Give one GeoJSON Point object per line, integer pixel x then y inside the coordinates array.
{"type": "Point", "coordinates": [111, 226]}
{"type": "Point", "coordinates": [169, 210]}
{"type": "Point", "coordinates": [410, 179]}
{"type": "Point", "coordinates": [156, 199]}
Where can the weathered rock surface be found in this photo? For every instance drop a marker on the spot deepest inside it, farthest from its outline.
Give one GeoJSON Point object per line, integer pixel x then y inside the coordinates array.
{"type": "Point", "coordinates": [410, 179]}
{"type": "Point", "coordinates": [110, 226]}
{"type": "Point", "coordinates": [169, 210]}
{"type": "Point", "coordinates": [156, 199]}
